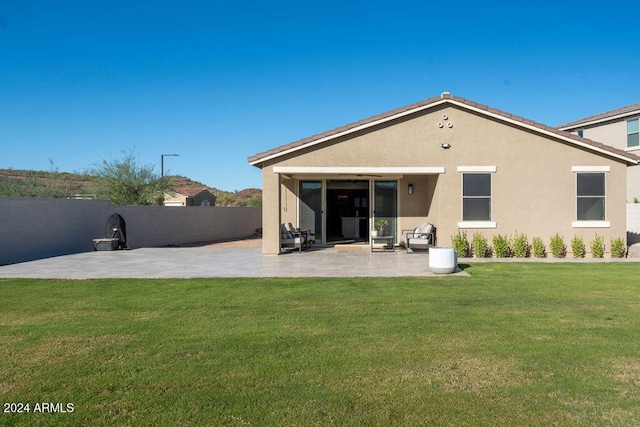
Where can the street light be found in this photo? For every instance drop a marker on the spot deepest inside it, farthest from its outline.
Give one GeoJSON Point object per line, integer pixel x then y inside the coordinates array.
{"type": "Point", "coordinates": [162, 156]}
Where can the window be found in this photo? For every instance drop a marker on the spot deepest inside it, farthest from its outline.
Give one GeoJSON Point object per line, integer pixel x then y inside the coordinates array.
{"type": "Point", "coordinates": [476, 197]}
{"type": "Point", "coordinates": [633, 139]}
{"type": "Point", "coordinates": [591, 197]}
{"type": "Point", "coordinates": [581, 133]}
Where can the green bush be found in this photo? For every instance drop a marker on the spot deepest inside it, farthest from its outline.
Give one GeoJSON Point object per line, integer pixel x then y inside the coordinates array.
{"type": "Point", "coordinates": [539, 250]}
{"type": "Point", "coordinates": [480, 246]}
{"type": "Point", "coordinates": [460, 243]}
{"type": "Point", "coordinates": [557, 246]}
{"type": "Point", "coordinates": [577, 247]}
{"type": "Point", "coordinates": [501, 246]}
{"type": "Point", "coordinates": [521, 248]}
{"type": "Point", "coordinates": [597, 247]}
{"type": "Point", "coordinates": [617, 248]}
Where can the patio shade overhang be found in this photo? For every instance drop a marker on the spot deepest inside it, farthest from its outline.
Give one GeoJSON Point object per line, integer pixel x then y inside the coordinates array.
{"type": "Point", "coordinates": [357, 171]}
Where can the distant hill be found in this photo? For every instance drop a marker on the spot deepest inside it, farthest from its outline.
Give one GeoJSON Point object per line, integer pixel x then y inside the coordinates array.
{"type": "Point", "coordinates": [26, 183]}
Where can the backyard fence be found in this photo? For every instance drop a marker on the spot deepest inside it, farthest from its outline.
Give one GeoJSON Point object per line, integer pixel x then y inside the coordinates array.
{"type": "Point", "coordinates": [41, 228]}
{"type": "Point", "coordinates": [633, 223]}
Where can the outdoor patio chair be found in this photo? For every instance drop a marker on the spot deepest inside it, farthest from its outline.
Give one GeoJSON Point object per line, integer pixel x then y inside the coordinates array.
{"type": "Point", "coordinates": [422, 237]}
{"type": "Point", "coordinates": [307, 237]}
{"type": "Point", "coordinates": [290, 238]}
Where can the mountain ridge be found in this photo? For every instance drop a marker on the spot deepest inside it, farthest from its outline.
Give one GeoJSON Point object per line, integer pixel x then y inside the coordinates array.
{"type": "Point", "coordinates": [83, 185]}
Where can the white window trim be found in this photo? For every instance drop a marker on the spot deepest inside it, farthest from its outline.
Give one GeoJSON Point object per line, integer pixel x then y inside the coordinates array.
{"type": "Point", "coordinates": [490, 169]}
{"type": "Point", "coordinates": [592, 224]}
{"type": "Point", "coordinates": [591, 169]}
{"type": "Point", "coordinates": [477, 224]}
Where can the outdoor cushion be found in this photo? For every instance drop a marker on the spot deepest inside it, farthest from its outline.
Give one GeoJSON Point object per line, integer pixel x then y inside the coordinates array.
{"type": "Point", "coordinates": [428, 229]}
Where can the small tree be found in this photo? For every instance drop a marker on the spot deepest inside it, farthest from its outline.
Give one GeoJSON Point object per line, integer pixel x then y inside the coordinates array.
{"type": "Point", "coordinates": [127, 182]}
{"type": "Point", "coordinates": [501, 246]}
{"type": "Point", "coordinates": [460, 243]}
{"type": "Point", "coordinates": [538, 248]}
{"type": "Point", "coordinates": [557, 246]}
{"type": "Point", "coordinates": [480, 246]}
{"type": "Point", "coordinates": [577, 247]}
{"type": "Point", "coordinates": [617, 248]}
{"type": "Point", "coordinates": [597, 247]}
{"type": "Point", "coordinates": [521, 248]}
{"type": "Point", "coordinates": [255, 201]}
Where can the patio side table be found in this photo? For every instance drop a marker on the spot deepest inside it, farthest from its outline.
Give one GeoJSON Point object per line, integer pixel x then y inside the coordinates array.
{"type": "Point", "coordinates": [388, 243]}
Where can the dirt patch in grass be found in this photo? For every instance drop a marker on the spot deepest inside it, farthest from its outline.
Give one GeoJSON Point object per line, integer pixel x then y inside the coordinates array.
{"type": "Point", "coordinates": [627, 370]}
{"type": "Point", "coordinates": [476, 375]}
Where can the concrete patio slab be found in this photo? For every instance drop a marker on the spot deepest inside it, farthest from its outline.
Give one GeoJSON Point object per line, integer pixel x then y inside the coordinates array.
{"type": "Point", "coordinates": [211, 261]}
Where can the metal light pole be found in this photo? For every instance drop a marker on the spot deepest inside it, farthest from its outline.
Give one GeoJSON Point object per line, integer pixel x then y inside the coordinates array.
{"type": "Point", "coordinates": [162, 156]}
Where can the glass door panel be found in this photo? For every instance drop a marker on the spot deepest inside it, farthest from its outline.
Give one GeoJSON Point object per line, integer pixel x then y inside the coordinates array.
{"type": "Point", "coordinates": [311, 208]}
{"type": "Point", "coordinates": [386, 206]}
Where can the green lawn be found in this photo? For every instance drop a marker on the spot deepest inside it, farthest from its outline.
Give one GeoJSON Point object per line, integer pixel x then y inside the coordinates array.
{"type": "Point", "coordinates": [514, 344]}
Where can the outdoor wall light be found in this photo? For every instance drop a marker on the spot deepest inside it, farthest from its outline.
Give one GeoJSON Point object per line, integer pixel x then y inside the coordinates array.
{"type": "Point", "coordinates": [410, 189]}
{"type": "Point", "coordinates": [445, 146]}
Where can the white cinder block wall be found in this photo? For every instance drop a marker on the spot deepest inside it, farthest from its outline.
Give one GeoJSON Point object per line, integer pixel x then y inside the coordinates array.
{"type": "Point", "coordinates": [633, 223]}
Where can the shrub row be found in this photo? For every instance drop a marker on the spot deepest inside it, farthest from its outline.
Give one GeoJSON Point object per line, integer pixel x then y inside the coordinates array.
{"type": "Point", "coordinates": [518, 246]}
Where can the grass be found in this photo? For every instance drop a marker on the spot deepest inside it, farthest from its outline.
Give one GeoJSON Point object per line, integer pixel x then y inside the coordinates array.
{"type": "Point", "coordinates": [514, 344]}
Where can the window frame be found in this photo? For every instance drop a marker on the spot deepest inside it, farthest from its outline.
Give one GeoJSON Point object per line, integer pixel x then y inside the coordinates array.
{"type": "Point", "coordinates": [477, 170]}
{"type": "Point", "coordinates": [637, 132]}
{"type": "Point", "coordinates": [603, 223]}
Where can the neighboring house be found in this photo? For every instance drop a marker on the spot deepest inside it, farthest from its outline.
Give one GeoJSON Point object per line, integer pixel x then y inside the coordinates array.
{"type": "Point", "coordinates": [449, 161]}
{"type": "Point", "coordinates": [190, 197]}
{"type": "Point", "coordinates": [617, 128]}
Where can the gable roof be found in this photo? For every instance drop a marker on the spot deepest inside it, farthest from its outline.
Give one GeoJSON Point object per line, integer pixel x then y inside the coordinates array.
{"type": "Point", "coordinates": [619, 113]}
{"type": "Point", "coordinates": [190, 191]}
{"type": "Point", "coordinates": [444, 98]}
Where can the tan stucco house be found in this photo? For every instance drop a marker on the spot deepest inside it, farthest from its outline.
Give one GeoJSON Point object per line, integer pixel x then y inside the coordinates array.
{"type": "Point", "coordinates": [619, 128]}
{"type": "Point", "coordinates": [186, 196]}
{"type": "Point", "coordinates": [449, 161]}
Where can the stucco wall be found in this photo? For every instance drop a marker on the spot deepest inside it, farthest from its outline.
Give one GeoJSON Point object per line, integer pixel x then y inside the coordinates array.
{"type": "Point", "coordinates": [533, 188]}
{"type": "Point", "coordinates": [40, 228]}
{"type": "Point", "coordinates": [612, 133]}
{"type": "Point", "coordinates": [615, 135]}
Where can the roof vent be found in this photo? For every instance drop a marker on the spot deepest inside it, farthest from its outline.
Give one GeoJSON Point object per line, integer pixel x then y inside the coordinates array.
{"type": "Point", "coordinates": [444, 95]}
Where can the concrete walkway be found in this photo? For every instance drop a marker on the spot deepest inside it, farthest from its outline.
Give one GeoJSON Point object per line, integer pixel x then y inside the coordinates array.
{"type": "Point", "coordinates": [224, 262]}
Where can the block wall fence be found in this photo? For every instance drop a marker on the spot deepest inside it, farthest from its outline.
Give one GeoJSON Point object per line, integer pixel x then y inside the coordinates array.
{"type": "Point", "coordinates": [40, 228]}
{"type": "Point", "coordinates": [633, 223]}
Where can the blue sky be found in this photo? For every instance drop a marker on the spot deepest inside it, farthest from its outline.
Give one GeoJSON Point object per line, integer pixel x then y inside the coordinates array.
{"type": "Point", "coordinates": [218, 81]}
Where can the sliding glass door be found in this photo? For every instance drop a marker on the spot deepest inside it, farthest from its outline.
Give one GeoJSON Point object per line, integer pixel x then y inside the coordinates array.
{"type": "Point", "coordinates": [311, 208]}
{"type": "Point", "coordinates": [385, 196]}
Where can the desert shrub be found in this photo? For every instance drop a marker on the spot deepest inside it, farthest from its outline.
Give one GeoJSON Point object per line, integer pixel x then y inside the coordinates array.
{"type": "Point", "coordinates": [617, 248]}
{"type": "Point", "coordinates": [460, 243]}
{"type": "Point", "coordinates": [480, 246]}
{"type": "Point", "coordinates": [597, 247]}
{"type": "Point", "coordinates": [538, 248]}
{"type": "Point", "coordinates": [521, 248]}
{"type": "Point", "coordinates": [501, 246]}
{"type": "Point", "coordinates": [577, 247]}
{"type": "Point", "coordinates": [557, 246]}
